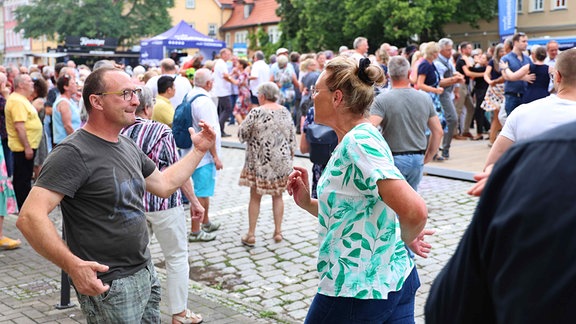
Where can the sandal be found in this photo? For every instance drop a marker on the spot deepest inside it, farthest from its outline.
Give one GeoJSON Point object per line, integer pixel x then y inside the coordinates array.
{"type": "Point", "coordinates": [278, 237]}
{"type": "Point", "coordinates": [7, 243]}
{"type": "Point", "coordinates": [248, 240]}
{"type": "Point", "coordinates": [189, 318]}
{"type": "Point", "coordinates": [438, 158]}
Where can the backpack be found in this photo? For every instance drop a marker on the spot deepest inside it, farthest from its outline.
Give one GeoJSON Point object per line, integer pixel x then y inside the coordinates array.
{"type": "Point", "coordinates": [322, 141]}
{"type": "Point", "coordinates": [182, 121]}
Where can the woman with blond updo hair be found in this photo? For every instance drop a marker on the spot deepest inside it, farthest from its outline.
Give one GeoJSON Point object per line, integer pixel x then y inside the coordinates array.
{"type": "Point", "coordinates": [366, 210]}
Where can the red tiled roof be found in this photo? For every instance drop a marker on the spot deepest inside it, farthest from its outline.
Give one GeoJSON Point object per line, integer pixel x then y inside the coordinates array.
{"type": "Point", "coordinates": [264, 12]}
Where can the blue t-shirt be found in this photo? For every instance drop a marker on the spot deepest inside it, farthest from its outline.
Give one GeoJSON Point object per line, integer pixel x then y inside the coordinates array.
{"type": "Point", "coordinates": [427, 68]}
{"type": "Point", "coordinates": [493, 73]}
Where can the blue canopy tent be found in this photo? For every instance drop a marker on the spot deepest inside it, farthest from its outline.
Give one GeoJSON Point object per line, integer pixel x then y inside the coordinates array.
{"type": "Point", "coordinates": [564, 43]}
{"type": "Point", "coordinates": [153, 50]}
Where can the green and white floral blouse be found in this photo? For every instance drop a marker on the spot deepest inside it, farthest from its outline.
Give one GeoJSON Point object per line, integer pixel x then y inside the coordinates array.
{"type": "Point", "coordinates": [361, 253]}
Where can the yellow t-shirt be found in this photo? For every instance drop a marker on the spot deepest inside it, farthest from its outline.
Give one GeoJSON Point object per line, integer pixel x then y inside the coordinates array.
{"type": "Point", "coordinates": [19, 109]}
{"type": "Point", "coordinates": [163, 111]}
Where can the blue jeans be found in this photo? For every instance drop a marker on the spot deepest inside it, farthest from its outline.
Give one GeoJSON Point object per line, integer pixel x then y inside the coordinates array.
{"type": "Point", "coordinates": [397, 309]}
{"type": "Point", "coordinates": [511, 103]}
{"type": "Point", "coordinates": [133, 299]}
{"type": "Point", "coordinates": [411, 166]}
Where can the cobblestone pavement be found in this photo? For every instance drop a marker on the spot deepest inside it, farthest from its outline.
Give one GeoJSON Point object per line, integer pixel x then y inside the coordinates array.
{"type": "Point", "coordinates": [231, 283]}
{"type": "Point", "coordinates": [282, 278]}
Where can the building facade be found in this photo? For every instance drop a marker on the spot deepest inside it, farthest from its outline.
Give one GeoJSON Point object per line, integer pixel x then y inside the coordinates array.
{"type": "Point", "coordinates": [248, 17]}
{"type": "Point", "coordinates": [206, 16]}
{"type": "Point", "coordinates": [541, 20]}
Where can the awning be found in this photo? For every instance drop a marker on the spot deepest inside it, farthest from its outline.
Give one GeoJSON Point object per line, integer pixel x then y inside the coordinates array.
{"type": "Point", "coordinates": [564, 43]}
{"type": "Point", "coordinates": [101, 54]}
{"type": "Point", "coordinates": [48, 55]}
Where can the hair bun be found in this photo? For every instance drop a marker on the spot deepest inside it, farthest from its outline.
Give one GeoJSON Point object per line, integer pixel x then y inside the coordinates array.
{"type": "Point", "coordinates": [364, 64]}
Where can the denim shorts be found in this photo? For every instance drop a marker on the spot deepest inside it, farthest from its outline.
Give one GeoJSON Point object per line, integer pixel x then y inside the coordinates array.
{"type": "Point", "coordinates": [132, 299]}
{"type": "Point", "coordinates": [204, 179]}
{"type": "Point", "coordinates": [397, 309]}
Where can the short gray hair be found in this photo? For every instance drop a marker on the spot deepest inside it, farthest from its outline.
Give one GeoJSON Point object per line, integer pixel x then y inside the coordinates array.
{"type": "Point", "coordinates": [146, 100]}
{"type": "Point", "coordinates": [359, 40]}
{"type": "Point", "coordinates": [445, 42]}
{"type": "Point", "coordinates": [269, 90]}
{"type": "Point", "coordinates": [282, 61]}
{"type": "Point", "coordinates": [398, 68]}
{"type": "Point", "coordinates": [102, 63]}
{"type": "Point", "coordinates": [201, 77]}
{"type": "Point", "coordinates": [259, 55]}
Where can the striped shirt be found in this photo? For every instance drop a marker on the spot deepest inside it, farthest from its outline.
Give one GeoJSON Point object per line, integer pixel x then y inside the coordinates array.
{"type": "Point", "coordinates": [156, 140]}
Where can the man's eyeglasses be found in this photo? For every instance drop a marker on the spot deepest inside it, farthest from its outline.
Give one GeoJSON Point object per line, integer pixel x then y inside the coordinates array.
{"type": "Point", "coordinates": [127, 94]}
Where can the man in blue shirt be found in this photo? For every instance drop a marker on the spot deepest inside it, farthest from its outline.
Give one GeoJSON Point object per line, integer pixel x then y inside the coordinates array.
{"type": "Point", "coordinates": [514, 90]}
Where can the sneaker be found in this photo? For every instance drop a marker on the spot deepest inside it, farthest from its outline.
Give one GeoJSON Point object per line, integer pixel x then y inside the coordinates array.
{"type": "Point", "coordinates": [201, 237]}
{"type": "Point", "coordinates": [210, 227]}
{"type": "Point", "coordinates": [7, 243]}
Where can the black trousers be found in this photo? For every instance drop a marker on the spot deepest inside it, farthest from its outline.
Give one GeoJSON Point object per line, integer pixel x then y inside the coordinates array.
{"type": "Point", "coordinates": [225, 109]}
{"type": "Point", "coordinates": [22, 179]}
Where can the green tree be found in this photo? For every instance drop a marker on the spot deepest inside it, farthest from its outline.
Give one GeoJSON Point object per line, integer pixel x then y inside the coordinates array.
{"type": "Point", "coordinates": [290, 11]}
{"type": "Point", "coordinates": [126, 20]}
{"type": "Point", "coordinates": [260, 40]}
{"type": "Point", "coordinates": [322, 25]}
{"type": "Point", "coordinates": [387, 20]}
{"type": "Point", "coordinates": [326, 24]}
{"type": "Point", "coordinates": [471, 11]}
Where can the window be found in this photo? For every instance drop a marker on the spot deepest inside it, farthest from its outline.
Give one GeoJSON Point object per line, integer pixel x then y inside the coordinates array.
{"type": "Point", "coordinates": [10, 16]}
{"type": "Point", "coordinates": [190, 4]}
{"type": "Point", "coordinates": [212, 30]}
{"type": "Point", "coordinates": [240, 37]}
{"type": "Point", "coordinates": [537, 5]}
{"type": "Point", "coordinates": [559, 4]}
{"type": "Point", "coordinates": [227, 37]}
{"type": "Point", "coordinates": [247, 10]}
{"type": "Point", "coordinates": [273, 34]}
{"type": "Point", "coordinates": [519, 9]}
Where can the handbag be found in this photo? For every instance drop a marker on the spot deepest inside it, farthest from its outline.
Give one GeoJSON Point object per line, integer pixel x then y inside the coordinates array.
{"type": "Point", "coordinates": [322, 141]}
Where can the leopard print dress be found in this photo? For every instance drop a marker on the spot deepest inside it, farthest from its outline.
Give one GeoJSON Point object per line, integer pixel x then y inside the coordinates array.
{"type": "Point", "coordinates": [270, 144]}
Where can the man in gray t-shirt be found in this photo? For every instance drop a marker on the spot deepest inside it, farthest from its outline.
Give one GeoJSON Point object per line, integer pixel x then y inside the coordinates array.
{"type": "Point", "coordinates": [404, 115]}
{"type": "Point", "coordinates": [99, 178]}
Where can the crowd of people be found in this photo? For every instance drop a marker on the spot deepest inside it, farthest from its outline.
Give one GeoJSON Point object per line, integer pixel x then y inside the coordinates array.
{"type": "Point", "coordinates": [94, 140]}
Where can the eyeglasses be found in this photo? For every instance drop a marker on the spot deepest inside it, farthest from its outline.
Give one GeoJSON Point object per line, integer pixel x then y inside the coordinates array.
{"type": "Point", "coordinates": [314, 91]}
{"type": "Point", "coordinates": [127, 94]}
